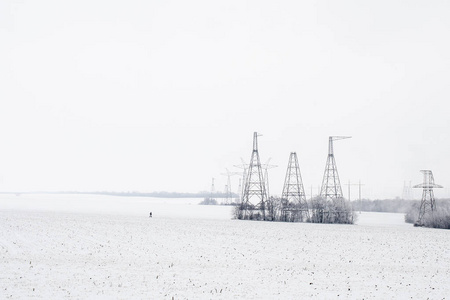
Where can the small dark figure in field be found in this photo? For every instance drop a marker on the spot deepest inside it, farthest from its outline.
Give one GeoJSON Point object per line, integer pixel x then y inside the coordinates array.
{"type": "Point", "coordinates": [151, 214]}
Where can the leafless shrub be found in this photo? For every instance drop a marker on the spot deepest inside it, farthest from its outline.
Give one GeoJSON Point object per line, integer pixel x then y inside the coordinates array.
{"type": "Point", "coordinates": [208, 201]}
{"type": "Point", "coordinates": [238, 212]}
{"type": "Point", "coordinates": [437, 219]}
{"type": "Point", "coordinates": [337, 211]}
{"type": "Point", "coordinates": [277, 209]}
{"type": "Point", "coordinates": [412, 213]}
{"type": "Point", "coordinates": [273, 209]}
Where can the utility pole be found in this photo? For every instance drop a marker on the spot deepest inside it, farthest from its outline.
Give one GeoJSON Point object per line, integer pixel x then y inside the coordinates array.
{"type": "Point", "coordinates": [212, 190]}
{"type": "Point", "coordinates": [359, 185]}
{"type": "Point", "coordinates": [239, 193]}
{"type": "Point", "coordinates": [360, 201]}
{"type": "Point", "coordinates": [349, 189]}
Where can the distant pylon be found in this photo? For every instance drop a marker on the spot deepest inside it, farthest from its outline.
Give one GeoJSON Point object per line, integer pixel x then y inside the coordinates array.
{"type": "Point", "coordinates": [407, 191]}
{"type": "Point", "coordinates": [427, 205]}
{"type": "Point", "coordinates": [266, 168]}
{"type": "Point", "coordinates": [293, 198]}
{"type": "Point", "coordinates": [244, 168]}
{"type": "Point", "coordinates": [228, 191]}
{"type": "Point", "coordinates": [331, 186]}
{"type": "Point", "coordinates": [254, 196]}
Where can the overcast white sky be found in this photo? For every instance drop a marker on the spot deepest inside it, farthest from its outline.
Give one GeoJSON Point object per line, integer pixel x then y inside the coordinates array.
{"type": "Point", "coordinates": [164, 95]}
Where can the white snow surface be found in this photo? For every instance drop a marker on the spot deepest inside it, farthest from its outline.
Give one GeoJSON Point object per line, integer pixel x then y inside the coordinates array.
{"type": "Point", "coordinates": [105, 247]}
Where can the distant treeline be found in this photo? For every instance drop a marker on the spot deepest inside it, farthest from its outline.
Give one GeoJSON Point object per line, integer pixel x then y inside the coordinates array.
{"type": "Point", "coordinates": [392, 205]}
{"type": "Point", "coordinates": [134, 194]}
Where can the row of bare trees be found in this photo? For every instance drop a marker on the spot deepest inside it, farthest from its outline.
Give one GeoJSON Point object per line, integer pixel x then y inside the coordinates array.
{"type": "Point", "coordinates": [319, 210]}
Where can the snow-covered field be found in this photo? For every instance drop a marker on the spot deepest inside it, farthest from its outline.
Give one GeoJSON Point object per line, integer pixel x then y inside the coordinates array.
{"type": "Point", "coordinates": [79, 247]}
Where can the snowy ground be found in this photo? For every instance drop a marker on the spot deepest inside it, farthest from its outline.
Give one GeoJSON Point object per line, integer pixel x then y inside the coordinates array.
{"type": "Point", "coordinates": [79, 247]}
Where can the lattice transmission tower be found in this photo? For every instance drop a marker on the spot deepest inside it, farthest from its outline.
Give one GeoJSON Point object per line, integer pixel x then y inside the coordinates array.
{"type": "Point", "coordinates": [331, 186]}
{"type": "Point", "coordinates": [427, 205]}
{"type": "Point", "coordinates": [244, 168]}
{"type": "Point", "coordinates": [293, 198]}
{"type": "Point", "coordinates": [407, 192]}
{"type": "Point", "coordinates": [266, 168]}
{"type": "Point", "coordinates": [254, 196]}
{"type": "Point", "coordinates": [228, 190]}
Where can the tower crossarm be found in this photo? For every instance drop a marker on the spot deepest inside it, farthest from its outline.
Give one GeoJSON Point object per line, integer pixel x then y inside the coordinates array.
{"type": "Point", "coordinates": [427, 186]}
{"type": "Point", "coordinates": [428, 181]}
{"type": "Point", "coordinates": [335, 138]}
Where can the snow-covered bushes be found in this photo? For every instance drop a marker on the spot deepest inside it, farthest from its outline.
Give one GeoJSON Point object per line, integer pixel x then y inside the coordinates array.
{"type": "Point", "coordinates": [208, 201]}
{"type": "Point", "coordinates": [335, 211]}
{"type": "Point", "coordinates": [412, 214]}
{"type": "Point", "coordinates": [275, 209]}
{"type": "Point", "coordinates": [320, 211]}
{"type": "Point", "coordinates": [439, 218]}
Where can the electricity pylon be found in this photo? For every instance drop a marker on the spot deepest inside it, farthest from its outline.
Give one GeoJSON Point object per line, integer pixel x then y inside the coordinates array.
{"type": "Point", "coordinates": [254, 197]}
{"type": "Point", "coordinates": [239, 193]}
{"type": "Point", "coordinates": [331, 186]}
{"type": "Point", "coordinates": [407, 191]}
{"type": "Point", "coordinates": [427, 205]}
{"type": "Point", "coordinates": [244, 168]}
{"type": "Point", "coordinates": [293, 198]}
{"type": "Point", "coordinates": [266, 167]}
{"type": "Point", "coordinates": [228, 190]}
